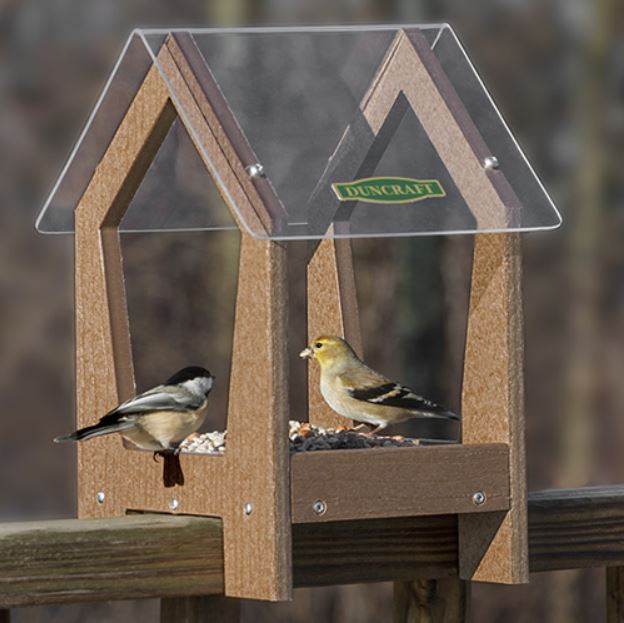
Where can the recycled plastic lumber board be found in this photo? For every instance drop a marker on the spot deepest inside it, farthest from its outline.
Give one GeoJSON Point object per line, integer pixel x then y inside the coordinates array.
{"type": "Point", "coordinates": [493, 406]}
{"type": "Point", "coordinates": [103, 337]}
{"type": "Point", "coordinates": [72, 560]}
{"type": "Point", "coordinates": [395, 482]}
{"type": "Point", "coordinates": [492, 549]}
{"type": "Point", "coordinates": [257, 545]}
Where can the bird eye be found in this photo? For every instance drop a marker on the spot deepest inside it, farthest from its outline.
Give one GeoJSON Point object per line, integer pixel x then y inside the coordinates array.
{"type": "Point", "coordinates": [318, 345]}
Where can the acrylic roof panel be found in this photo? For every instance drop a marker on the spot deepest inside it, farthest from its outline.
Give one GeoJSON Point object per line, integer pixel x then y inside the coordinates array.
{"type": "Point", "coordinates": [360, 131]}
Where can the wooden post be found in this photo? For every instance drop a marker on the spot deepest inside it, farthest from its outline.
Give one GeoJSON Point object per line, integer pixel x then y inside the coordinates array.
{"type": "Point", "coordinates": [257, 501]}
{"type": "Point", "coordinates": [203, 609]}
{"type": "Point", "coordinates": [615, 594]}
{"type": "Point", "coordinates": [493, 548]}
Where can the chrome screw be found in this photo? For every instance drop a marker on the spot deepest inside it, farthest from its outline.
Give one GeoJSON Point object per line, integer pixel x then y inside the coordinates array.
{"type": "Point", "coordinates": [319, 507]}
{"type": "Point", "coordinates": [491, 163]}
{"type": "Point", "coordinates": [248, 508]}
{"type": "Point", "coordinates": [255, 170]}
{"type": "Point", "coordinates": [100, 496]}
{"type": "Point", "coordinates": [479, 498]}
{"type": "Point", "coordinates": [173, 503]}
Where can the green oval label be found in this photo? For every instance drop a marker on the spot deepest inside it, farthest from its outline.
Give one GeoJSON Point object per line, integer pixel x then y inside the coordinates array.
{"type": "Point", "coordinates": [388, 190]}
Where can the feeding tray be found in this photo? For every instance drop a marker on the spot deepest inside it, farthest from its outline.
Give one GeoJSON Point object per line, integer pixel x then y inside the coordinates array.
{"type": "Point", "coordinates": [318, 134]}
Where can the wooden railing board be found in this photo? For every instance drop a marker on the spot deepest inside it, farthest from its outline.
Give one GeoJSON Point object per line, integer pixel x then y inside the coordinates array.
{"type": "Point", "coordinates": [75, 560]}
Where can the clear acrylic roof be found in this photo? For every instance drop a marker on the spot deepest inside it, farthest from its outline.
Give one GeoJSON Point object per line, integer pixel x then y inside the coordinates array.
{"type": "Point", "coordinates": [360, 131]}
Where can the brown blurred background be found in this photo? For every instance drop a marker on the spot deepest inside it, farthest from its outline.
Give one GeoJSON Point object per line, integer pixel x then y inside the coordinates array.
{"type": "Point", "coordinates": [556, 69]}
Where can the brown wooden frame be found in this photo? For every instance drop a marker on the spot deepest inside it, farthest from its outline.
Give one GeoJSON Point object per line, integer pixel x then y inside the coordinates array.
{"type": "Point", "coordinates": [494, 548]}
{"type": "Point", "coordinates": [262, 477]}
{"type": "Point", "coordinates": [250, 473]}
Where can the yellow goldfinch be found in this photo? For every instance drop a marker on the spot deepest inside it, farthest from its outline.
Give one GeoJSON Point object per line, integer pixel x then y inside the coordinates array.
{"type": "Point", "coordinates": [160, 418]}
{"type": "Point", "coordinates": [355, 391]}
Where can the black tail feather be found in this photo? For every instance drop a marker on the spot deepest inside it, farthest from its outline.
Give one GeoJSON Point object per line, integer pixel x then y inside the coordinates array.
{"type": "Point", "coordinates": [92, 431]}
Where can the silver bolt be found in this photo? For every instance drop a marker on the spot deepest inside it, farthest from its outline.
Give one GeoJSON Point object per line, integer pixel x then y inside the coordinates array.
{"type": "Point", "coordinates": [173, 503]}
{"type": "Point", "coordinates": [100, 496]}
{"type": "Point", "coordinates": [479, 498]}
{"type": "Point", "coordinates": [319, 507]}
{"type": "Point", "coordinates": [255, 170]}
{"type": "Point", "coordinates": [491, 163]}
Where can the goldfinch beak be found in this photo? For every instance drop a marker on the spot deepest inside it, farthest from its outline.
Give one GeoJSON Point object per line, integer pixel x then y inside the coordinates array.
{"type": "Point", "coordinates": [306, 353]}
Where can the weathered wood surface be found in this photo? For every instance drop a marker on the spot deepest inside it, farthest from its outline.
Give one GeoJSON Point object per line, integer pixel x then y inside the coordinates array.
{"type": "Point", "coordinates": [399, 482]}
{"type": "Point", "coordinates": [165, 555]}
{"type": "Point", "coordinates": [124, 558]}
{"type": "Point", "coordinates": [574, 528]}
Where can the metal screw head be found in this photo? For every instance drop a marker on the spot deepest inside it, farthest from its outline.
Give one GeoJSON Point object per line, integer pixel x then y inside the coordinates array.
{"type": "Point", "coordinates": [491, 162]}
{"type": "Point", "coordinates": [248, 508]}
{"type": "Point", "coordinates": [100, 496]}
{"type": "Point", "coordinates": [255, 170]}
{"type": "Point", "coordinates": [479, 498]}
{"type": "Point", "coordinates": [319, 507]}
{"type": "Point", "coordinates": [173, 503]}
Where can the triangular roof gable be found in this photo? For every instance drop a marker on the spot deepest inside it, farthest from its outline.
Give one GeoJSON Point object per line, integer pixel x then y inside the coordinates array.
{"type": "Point", "coordinates": [169, 85]}
{"type": "Point", "coordinates": [409, 77]}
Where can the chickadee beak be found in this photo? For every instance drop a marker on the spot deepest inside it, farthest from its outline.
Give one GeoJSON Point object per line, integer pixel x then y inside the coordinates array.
{"type": "Point", "coordinates": [306, 353]}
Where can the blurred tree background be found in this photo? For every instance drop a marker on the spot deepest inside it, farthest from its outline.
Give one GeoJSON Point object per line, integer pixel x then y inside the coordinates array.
{"type": "Point", "coordinates": [555, 68]}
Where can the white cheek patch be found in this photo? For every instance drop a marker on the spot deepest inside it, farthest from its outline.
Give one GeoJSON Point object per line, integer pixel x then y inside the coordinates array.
{"type": "Point", "coordinates": [200, 385]}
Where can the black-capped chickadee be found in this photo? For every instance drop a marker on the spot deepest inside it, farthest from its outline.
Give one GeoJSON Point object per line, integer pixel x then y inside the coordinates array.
{"type": "Point", "coordinates": [160, 418]}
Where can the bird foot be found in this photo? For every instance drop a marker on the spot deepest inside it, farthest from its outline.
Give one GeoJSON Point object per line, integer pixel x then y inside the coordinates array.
{"type": "Point", "coordinates": [366, 429]}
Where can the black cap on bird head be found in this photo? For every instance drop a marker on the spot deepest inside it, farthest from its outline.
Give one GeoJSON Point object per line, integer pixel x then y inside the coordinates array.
{"type": "Point", "coordinates": [188, 374]}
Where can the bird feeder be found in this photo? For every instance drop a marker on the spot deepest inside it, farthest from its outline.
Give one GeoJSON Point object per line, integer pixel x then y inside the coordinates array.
{"type": "Point", "coordinates": [317, 134]}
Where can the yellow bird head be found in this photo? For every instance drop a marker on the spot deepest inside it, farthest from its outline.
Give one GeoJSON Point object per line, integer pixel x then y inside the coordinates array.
{"type": "Point", "coordinates": [329, 351]}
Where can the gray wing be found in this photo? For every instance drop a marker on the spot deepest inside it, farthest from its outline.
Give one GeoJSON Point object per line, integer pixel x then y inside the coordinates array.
{"type": "Point", "coordinates": [160, 398]}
